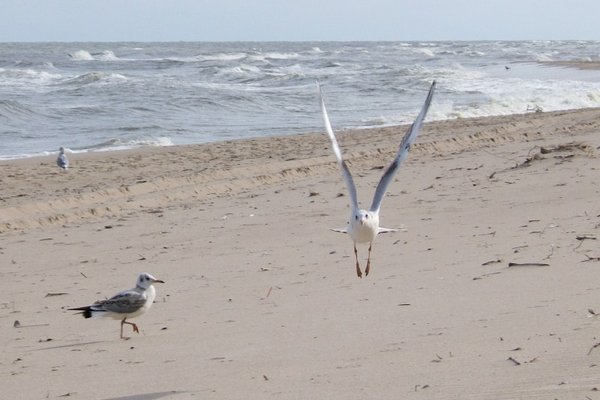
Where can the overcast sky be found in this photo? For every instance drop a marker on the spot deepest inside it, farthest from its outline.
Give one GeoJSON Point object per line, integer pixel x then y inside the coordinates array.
{"type": "Point", "coordinates": [296, 20]}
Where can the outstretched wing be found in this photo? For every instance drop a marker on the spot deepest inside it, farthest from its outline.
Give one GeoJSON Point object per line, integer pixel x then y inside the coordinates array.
{"type": "Point", "coordinates": [407, 141]}
{"type": "Point", "coordinates": [339, 230]}
{"type": "Point", "coordinates": [338, 154]}
{"type": "Point", "coordinates": [387, 230]}
{"type": "Point", "coordinates": [125, 302]}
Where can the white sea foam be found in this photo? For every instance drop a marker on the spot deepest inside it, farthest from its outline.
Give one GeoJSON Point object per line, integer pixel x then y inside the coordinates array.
{"type": "Point", "coordinates": [109, 145]}
{"type": "Point", "coordinates": [280, 56]}
{"type": "Point", "coordinates": [221, 57]}
{"type": "Point", "coordinates": [106, 55]}
{"type": "Point", "coordinates": [125, 144]}
{"type": "Point", "coordinates": [543, 58]}
{"type": "Point", "coordinates": [524, 96]}
{"type": "Point", "coordinates": [376, 121]}
{"type": "Point", "coordinates": [27, 77]}
{"type": "Point", "coordinates": [426, 52]}
{"type": "Point", "coordinates": [84, 55]}
{"type": "Point", "coordinates": [81, 55]}
{"type": "Point", "coordinates": [294, 70]}
{"type": "Point", "coordinates": [96, 77]}
{"type": "Point", "coordinates": [243, 70]}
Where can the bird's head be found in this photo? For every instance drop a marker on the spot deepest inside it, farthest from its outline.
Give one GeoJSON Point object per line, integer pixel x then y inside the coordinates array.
{"type": "Point", "coordinates": [145, 280]}
{"type": "Point", "coordinates": [363, 217]}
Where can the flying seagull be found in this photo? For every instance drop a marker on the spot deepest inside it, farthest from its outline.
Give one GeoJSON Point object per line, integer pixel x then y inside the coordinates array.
{"type": "Point", "coordinates": [364, 224]}
{"type": "Point", "coordinates": [62, 161]}
{"type": "Point", "coordinates": [126, 304]}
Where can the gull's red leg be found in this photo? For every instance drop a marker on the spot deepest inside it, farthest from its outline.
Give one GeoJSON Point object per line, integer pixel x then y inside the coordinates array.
{"type": "Point", "coordinates": [358, 273]}
{"type": "Point", "coordinates": [369, 260]}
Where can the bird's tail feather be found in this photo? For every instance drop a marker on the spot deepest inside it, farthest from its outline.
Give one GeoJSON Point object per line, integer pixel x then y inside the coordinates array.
{"type": "Point", "coordinates": [86, 311]}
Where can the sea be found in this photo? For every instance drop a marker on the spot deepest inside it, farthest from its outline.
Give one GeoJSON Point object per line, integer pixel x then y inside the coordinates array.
{"type": "Point", "coordinates": [111, 96]}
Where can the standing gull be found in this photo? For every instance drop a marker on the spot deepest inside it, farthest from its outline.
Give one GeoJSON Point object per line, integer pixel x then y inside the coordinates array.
{"type": "Point", "coordinates": [126, 304]}
{"type": "Point", "coordinates": [62, 161]}
{"type": "Point", "coordinates": [364, 224]}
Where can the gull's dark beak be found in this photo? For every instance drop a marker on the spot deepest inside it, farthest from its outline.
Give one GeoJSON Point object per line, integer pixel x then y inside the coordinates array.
{"type": "Point", "coordinates": [157, 281]}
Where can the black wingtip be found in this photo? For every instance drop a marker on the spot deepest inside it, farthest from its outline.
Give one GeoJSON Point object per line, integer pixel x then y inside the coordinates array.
{"type": "Point", "coordinates": [432, 88]}
{"type": "Point", "coordinates": [429, 97]}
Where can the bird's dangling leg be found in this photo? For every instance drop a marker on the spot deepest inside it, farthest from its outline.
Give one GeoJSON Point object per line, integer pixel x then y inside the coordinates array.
{"type": "Point", "coordinates": [368, 268]}
{"type": "Point", "coordinates": [358, 273]}
{"type": "Point", "coordinates": [134, 326]}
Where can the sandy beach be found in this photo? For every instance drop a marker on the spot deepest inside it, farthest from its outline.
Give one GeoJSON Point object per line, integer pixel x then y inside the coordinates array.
{"type": "Point", "coordinates": [488, 292]}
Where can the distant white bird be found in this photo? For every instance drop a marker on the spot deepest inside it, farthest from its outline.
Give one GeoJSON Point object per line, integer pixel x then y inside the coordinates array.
{"type": "Point", "coordinates": [363, 226]}
{"type": "Point", "coordinates": [127, 304]}
{"type": "Point", "coordinates": [62, 161]}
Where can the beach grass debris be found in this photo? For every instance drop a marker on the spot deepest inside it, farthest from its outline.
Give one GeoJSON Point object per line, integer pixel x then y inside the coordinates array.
{"type": "Point", "coordinates": [591, 258]}
{"type": "Point", "coordinates": [17, 324]}
{"type": "Point", "coordinates": [514, 361]}
{"type": "Point", "coordinates": [593, 347]}
{"type": "Point", "coordinates": [53, 294]}
{"type": "Point", "coordinates": [538, 153]}
{"type": "Point", "coordinates": [269, 292]}
{"type": "Point", "coordinates": [496, 261]}
{"type": "Point", "coordinates": [417, 387]}
{"type": "Point", "coordinates": [528, 264]}
{"type": "Point", "coordinates": [585, 237]}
